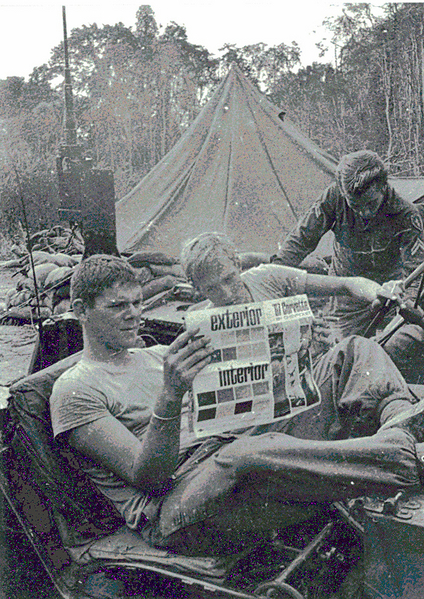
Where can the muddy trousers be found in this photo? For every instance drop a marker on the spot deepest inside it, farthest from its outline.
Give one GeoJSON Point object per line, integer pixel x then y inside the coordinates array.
{"type": "Point", "coordinates": [406, 349]}
{"type": "Point", "coordinates": [251, 487]}
{"type": "Point", "coordinates": [266, 480]}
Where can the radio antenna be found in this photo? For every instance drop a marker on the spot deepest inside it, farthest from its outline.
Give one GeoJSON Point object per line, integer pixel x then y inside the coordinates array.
{"type": "Point", "coordinates": [70, 127]}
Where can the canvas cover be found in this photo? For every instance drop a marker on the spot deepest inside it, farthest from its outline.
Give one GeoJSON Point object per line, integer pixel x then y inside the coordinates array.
{"type": "Point", "coordinates": [409, 188]}
{"type": "Point", "coordinates": [239, 169]}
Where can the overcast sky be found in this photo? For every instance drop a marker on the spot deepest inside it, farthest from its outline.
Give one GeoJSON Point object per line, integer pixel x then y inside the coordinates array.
{"type": "Point", "coordinates": [28, 31]}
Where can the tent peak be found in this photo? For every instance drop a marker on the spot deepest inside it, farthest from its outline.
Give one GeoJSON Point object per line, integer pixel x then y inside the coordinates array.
{"type": "Point", "coordinates": [238, 168]}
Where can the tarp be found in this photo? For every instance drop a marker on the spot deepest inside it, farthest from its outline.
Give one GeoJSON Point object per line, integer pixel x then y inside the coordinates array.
{"type": "Point", "coordinates": [239, 169]}
{"type": "Point", "coordinates": [409, 188]}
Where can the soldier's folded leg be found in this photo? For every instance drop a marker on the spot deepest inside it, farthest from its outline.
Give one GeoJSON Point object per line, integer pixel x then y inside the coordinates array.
{"type": "Point", "coordinates": [274, 480]}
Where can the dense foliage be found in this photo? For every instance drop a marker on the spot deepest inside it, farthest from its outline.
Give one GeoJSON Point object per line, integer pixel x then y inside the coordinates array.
{"type": "Point", "coordinates": [137, 89]}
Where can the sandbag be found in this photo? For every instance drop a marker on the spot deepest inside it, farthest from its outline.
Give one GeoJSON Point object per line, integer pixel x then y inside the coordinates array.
{"type": "Point", "coordinates": [161, 270]}
{"type": "Point", "coordinates": [41, 257]}
{"type": "Point", "coordinates": [56, 276]}
{"type": "Point", "coordinates": [18, 297]}
{"type": "Point", "coordinates": [146, 258]}
{"type": "Point", "coordinates": [41, 272]}
{"type": "Point", "coordinates": [8, 299]}
{"type": "Point", "coordinates": [13, 263]}
{"type": "Point", "coordinates": [38, 234]}
{"type": "Point", "coordinates": [62, 259]}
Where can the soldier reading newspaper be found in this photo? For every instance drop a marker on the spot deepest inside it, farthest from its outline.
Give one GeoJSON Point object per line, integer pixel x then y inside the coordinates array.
{"type": "Point", "coordinates": [261, 369]}
{"type": "Point", "coordinates": [121, 408]}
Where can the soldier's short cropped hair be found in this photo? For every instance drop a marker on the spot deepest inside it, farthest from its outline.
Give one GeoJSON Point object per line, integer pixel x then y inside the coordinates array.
{"type": "Point", "coordinates": [97, 273]}
{"type": "Point", "coordinates": [202, 252]}
{"type": "Point", "coordinates": [357, 171]}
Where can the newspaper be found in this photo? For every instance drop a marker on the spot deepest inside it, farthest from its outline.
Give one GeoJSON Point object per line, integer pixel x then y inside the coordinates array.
{"type": "Point", "coordinates": [261, 369]}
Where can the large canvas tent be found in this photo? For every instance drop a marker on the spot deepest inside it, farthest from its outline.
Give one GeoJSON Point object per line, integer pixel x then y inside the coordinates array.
{"type": "Point", "coordinates": [240, 168]}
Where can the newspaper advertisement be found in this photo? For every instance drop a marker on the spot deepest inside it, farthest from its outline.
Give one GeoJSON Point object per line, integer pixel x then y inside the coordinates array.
{"type": "Point", "coordinates": [261, 369]}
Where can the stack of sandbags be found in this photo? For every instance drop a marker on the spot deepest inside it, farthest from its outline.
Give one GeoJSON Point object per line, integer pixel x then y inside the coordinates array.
{"type": "Point", "coordinates": [58, 239]}
{"type": "Point", "coordinates": [52, 274]}
{"type": "Point", "coordinates": [161, 277]}
{"type": "Point", "coordinates": [160, 273]}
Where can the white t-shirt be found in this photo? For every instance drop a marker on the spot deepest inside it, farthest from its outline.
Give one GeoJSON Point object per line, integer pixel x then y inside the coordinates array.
{"type": "Point", "coordinates": [91, 390]}
{"type": "Point", "coordinates": [270, 281]}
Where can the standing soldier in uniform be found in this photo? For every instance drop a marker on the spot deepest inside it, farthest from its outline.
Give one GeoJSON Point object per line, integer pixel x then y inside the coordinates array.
{"type": "Point", "coordinates": [377, 234]}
